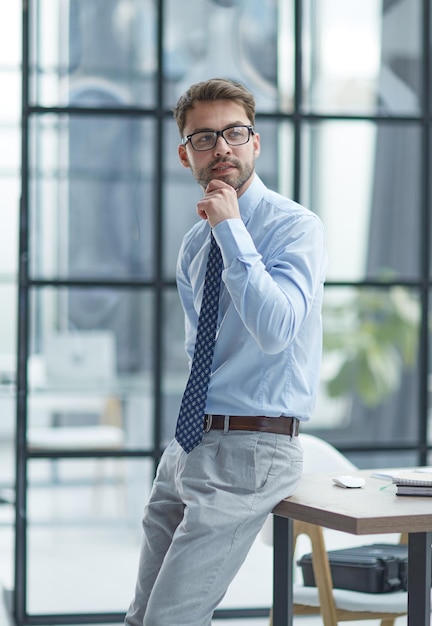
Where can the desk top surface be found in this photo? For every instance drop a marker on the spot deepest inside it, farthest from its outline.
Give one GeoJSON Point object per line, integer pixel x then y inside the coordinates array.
{"type": "Point", "coordinates": [374, 508]}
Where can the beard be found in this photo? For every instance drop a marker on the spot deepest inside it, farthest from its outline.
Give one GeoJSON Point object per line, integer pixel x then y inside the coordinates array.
{"type": "Point", "coordinates": [236, 179]}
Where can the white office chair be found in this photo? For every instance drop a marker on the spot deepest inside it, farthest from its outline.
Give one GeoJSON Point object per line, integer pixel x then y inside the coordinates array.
{"type": "Point", "coordinates": [334, 605]}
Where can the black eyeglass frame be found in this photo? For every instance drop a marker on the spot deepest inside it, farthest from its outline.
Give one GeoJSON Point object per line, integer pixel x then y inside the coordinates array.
{"type": "Point", "coordinates": [219, 133]}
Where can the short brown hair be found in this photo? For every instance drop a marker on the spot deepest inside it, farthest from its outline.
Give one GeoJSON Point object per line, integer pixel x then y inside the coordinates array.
{"type": "Point", "coordinates": [210, 90]}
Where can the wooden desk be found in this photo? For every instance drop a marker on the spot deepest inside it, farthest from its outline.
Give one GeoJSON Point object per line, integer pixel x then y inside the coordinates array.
{"type": "Point", "coordinates": [372, 509]}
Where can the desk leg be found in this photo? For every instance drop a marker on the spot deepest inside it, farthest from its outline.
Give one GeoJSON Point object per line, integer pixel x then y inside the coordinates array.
{"type": "Point", "coordinates": [282, 571]}
{"type": "Point", "coordinates": [419, 578]}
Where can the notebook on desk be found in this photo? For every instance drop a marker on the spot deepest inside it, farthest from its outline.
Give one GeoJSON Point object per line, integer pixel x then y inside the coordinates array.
{"type": "Point", "coordinates": [409, 482]}
{"type": "Point", "coordinates": [82, 356]}
{"type": "Point", "coordinates": [415, 476]}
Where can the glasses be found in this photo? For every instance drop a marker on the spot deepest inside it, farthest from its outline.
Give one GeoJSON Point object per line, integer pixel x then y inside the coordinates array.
{"type": "Point", "coordinates": [207, 139]}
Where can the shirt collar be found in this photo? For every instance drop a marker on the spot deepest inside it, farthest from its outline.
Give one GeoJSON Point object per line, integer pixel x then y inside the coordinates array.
{"type": "Point", "coordinates": [250, 199]}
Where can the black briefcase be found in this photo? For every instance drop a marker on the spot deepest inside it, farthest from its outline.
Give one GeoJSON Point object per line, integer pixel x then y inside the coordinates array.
{"type": "Point", "coordinates": [376, 568]}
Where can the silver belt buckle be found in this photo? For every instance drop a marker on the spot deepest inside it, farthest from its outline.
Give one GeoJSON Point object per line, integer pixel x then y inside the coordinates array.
{"type": "Point", "coordinates": [208, 418]}
{"type": "Point", "coordinates": [226, 424]}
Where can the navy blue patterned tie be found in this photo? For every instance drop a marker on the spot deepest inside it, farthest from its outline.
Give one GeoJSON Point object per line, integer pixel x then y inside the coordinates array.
{"type": "Point", "coordinates": [190, 423]}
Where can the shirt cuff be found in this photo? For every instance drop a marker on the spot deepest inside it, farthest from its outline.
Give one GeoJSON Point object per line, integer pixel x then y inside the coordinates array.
{"type": "Point", "coordinates": [235, 242]}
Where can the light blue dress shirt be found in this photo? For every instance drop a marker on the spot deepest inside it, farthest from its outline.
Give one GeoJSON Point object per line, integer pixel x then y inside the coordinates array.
{"type": "Point", "coordinates": [269, 338]}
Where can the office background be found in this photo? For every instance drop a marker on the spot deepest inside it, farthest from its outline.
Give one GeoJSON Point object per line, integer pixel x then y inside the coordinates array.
{"type": "Point", "coordinates": [94, 206]}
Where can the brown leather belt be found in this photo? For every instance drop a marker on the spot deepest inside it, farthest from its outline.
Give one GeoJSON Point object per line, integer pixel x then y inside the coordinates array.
{"type": "Point", "coordinates": [279, 425]}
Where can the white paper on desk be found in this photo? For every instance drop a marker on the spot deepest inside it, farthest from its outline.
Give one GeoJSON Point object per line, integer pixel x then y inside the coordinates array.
{"type": "Point", "coordinates": [415, 476]}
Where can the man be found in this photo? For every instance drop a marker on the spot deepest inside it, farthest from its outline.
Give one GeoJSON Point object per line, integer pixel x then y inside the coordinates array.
{"type": "Point", "coordinates": [211, 498]}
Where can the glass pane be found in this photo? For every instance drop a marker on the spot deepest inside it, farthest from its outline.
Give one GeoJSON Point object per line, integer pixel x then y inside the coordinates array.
{"type": "Point", "coordinates": [181, 192]}
{"type": "Point", "coordinates": [8, 333]}
{"type": "Point", "coordinates": [10, 110]}
{"type": "Point", "coordinates": [175, 363]}
{"type": "Point", "coordinates": [275, 162]}
{"type": "Point", "coordinates": [429, 382]}
{"type": "Point", "coordinates": [9, 194]}
{"type": "Point", "coordinates": [91, 369]}
{"type": "Point", "coordinates": [369, 379]}
{"type": "Point", "coordinates": [84, 538]}
{"type": "Point", "coordinates": [7, 448]}
{"type": "Point", "coordinates": [92, 185]}
{"type": "Point", "coordinates": [364, 182]}
{"type": "Point", "coordinates": [7, 540]}
{"type": "Point", "coordinates": [274, 166]}
{"type": "Point", "coordinates": [355, 59]}
{"type": "Point", "coordinates": [428, 235]}
{"type": "Point", "coordinates": [10, 36]}
{"type": "Point", "coordinates": [253, 32]}
{"type": "Point", "coordinates": [93, 52]}
{"type": "Point", "coordinates": [384, 459]}
{"type": "Point", "coordinates": [10, 157]}
{"type": "Point", "coordinates": [7, 430]}
{"type": "Point", "coordinates": [84, 533]}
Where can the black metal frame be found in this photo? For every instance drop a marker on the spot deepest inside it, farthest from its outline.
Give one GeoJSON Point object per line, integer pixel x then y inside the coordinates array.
{"type": "Point", "coordinates": [159, 286]}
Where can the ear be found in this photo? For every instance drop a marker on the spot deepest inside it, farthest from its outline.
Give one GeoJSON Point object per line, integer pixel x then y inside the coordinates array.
{"type": "Point", "coordinates": [183, 156]}
{"type": "Point", "coordinates": [256, 144]}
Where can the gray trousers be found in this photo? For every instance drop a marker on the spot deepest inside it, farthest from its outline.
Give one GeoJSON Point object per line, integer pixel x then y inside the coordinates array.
{"type": "Point", "coordinates": [204, 513]}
